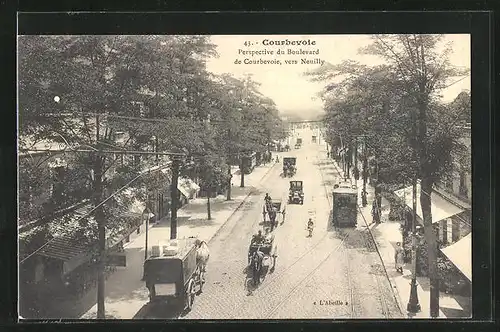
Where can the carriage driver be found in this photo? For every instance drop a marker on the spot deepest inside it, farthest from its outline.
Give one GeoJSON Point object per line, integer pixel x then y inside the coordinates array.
{"type": "Point", "coordinates": [267, 198]}
{"type": "Point", "coordinates": [258, 238]}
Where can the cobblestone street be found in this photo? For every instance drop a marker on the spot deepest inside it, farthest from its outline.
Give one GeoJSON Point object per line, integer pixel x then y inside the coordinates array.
{"type": "Point", "coordinates": [334, 274]}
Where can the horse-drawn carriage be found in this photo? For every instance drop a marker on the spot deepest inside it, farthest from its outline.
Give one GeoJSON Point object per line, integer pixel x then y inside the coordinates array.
{"type": "Point", "coordinates": [296, 193]}
{"type": "Point", "coordinates": [273, 209]}
{"type": "Point", "coordinates": [289, 166]}
{"type": "Point", "coordinates": [262, 254]}
{"type": "Point", "coordinates": [174, 273]}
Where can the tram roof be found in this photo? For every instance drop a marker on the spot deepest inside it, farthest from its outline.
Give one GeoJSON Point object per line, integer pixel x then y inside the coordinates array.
{"type": "Point", "coordinates": [342, 190]}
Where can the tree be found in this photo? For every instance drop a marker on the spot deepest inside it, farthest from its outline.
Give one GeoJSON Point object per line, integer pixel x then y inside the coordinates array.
{"type": "Point", "coordinates": [154, 92]}
{"type": "Point", "coordinates": [248, 121]}
{"type": "Point", "coordinates": [106, 76]}
{"type": "Point", "coordinates": [419, 69]}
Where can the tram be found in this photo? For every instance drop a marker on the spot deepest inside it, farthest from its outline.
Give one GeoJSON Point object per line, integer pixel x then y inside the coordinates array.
{"type": "Point", "coordinates": [345, 204]}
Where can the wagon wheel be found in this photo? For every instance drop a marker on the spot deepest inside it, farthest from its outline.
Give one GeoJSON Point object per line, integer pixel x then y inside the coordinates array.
{"type": "Point", "coordinates": [190, 294]}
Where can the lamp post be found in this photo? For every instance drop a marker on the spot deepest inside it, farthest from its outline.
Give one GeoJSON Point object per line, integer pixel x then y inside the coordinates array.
{"type": "Point", "coordinates": [413, 304]}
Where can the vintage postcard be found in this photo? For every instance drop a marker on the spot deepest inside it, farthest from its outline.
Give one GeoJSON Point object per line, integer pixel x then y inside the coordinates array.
{"type": "Point", "coordinates": [244, 176]}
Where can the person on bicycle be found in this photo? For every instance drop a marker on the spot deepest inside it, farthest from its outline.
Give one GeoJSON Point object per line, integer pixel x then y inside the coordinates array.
{"type": "Point", "coordinates": [310, 227]}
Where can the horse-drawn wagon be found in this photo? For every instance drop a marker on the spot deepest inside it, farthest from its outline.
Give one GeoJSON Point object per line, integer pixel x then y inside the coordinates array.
{"type": "Point", "coordinates": [273, 209]}
{"type": "Point", "coordinates": [262, 254]}
{"type": "Point", "coordinates": [174, 273]}
{"type": "Point", "coordinates": [289, 166]}
{"type": "Point", "coordinates": [296, 192]}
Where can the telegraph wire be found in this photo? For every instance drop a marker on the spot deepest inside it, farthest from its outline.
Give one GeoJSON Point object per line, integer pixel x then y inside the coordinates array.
{"type": "Point", "coordinates": [146, 172]}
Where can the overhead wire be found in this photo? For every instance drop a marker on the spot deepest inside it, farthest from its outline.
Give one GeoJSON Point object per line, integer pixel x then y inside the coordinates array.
{"type": "Point", "coordinates": [146, 172]}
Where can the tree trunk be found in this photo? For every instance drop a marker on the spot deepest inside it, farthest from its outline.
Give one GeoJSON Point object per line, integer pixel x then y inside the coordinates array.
{"type": "Point", "coordinates": [209, 214]}
{"type": "Point", "coordinates": [348, 161]}
{"type": "Point", "coordinates": [356, 154]}
{"type": "Point", "coordinates": [101, 230]}
{"type": "Point", "coordinates": [242, 173]}
{"type": "Point", "coordinates": [229, 185]}
{"type": "Point", "coordinates": [174, 193]}
{"type": "Point", "coordinates": [425, 200]}
{"type": "Point", "coordinates": [430, 236]}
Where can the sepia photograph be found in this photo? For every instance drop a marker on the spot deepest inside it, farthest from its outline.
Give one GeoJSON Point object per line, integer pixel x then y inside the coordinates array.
{"type": "Point", "coordinates": [262, 177]}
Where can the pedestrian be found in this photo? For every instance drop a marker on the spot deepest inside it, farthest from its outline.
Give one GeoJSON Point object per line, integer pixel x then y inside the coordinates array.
{"type": "Point", "coordinates": [375, 212]}
{"type": "Point", "coordinates": [364, 200]}
{"type": "Point", "coordinates": [356, 173]}
{"type": "Point", "coordinates": [399, 258]}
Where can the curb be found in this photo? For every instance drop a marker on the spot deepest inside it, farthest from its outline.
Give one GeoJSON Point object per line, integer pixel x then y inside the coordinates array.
{"type": "Point", "coordinates": [394, 287]}
{"type": "Point", "coordinates": [240, 205]}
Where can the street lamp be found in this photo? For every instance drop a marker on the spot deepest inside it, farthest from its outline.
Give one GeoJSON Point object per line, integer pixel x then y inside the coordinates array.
{"type": "Point", "coordinates": [413, 305]}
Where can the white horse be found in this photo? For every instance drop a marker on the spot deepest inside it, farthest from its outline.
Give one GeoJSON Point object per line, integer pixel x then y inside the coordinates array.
{"type": "Point", "coordinates": [202, 254]}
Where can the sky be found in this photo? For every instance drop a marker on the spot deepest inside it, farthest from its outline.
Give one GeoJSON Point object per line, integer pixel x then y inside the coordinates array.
{"type": "Point", "coordinates": [285, 83]}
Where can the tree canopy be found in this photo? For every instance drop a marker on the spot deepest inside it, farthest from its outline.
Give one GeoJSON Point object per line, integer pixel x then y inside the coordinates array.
{"type": "Point", "coordinates": [377, 103]}
{"type": "Point", "coordinates": [152, 92]}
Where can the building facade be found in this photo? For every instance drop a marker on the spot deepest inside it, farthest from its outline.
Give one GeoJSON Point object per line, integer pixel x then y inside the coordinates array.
{"type": "Point", "coordinates": [456, 187]}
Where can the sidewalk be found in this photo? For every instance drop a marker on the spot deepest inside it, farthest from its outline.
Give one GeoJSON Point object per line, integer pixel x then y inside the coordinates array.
{"type": "Point", "coordinates": [125, 292]}
{"type": "Point", "coordinates": [386, 235]}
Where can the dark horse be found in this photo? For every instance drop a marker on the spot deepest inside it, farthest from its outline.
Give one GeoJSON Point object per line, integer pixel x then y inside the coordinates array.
{"type": "Point", "coordinates": [256, 265]}
{"type": "Point", "coordinates": [272, 213]}
{"type": "Point", "coordinates": [272, 218]}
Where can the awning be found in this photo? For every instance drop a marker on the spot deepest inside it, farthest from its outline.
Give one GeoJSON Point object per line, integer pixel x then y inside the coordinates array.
{"type": "Point", "coordinates": [63, 248]}
{"type": "Point", "coordinates": [187, 187]}
{"type": "Point", "coordinates": [440, 207]}
{"type": "Point", "coordinates": [460, 254]}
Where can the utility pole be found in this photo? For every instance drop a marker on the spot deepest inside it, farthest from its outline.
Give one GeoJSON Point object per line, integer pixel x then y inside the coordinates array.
{"type": "Point", "coordinates": [174, 194]}
{"type": "Point", "coordinates": [101, 228]}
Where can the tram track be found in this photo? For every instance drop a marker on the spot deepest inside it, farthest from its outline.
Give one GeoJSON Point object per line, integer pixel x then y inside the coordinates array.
{"type": "Point", "coordinates": [307, 277]}
{"type": "Point", "coordinates": [330, 204]}
{"type": "Point", "coordinates": [338, 249]}
{"type": "Point", "coordinates": [371, 245]}
{"type": "Point", "coordinates": [277, 277]}
{"type": "Point", "coordinates": [289, 291]}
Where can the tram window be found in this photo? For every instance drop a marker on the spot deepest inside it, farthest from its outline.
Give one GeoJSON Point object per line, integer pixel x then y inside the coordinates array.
{"type": "Point", "coordinates": [343, 200]}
